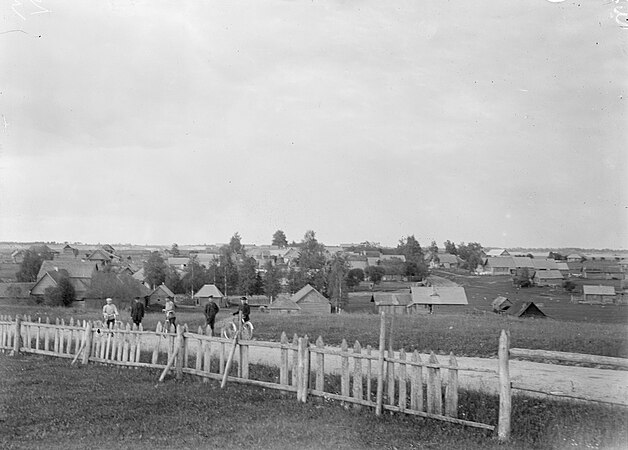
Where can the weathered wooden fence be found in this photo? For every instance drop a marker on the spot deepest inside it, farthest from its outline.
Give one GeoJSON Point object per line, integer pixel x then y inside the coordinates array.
{"type": "Point", "coordinates": [363, 377]}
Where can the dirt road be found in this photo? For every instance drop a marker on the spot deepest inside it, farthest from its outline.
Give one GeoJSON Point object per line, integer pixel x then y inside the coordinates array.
{"type": "Point", "coordinates": [570, 381]}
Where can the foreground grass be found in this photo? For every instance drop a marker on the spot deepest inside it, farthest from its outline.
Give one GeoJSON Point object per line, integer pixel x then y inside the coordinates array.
{"type": "Point", "coordinates": [462, 334]}
{"type": "Point", "coordinates": [47, 403]}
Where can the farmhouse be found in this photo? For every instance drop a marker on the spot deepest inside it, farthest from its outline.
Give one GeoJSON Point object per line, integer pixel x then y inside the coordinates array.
{"type": "Point", "coordinates": [598, 294]}
{"type": "Point", "coordinates": [79, 273]}
{"type": "Point", "coordinates": [207, 291]}
{"type": "Point", "coordinates": [500, 265]}
{"type": "Point", "coordinates": [311, 301]}
{"type": "Point", "coordinates": [445, 261]}
{"type": "Point", "coordinates": [548, 278]}
{"type": "Point", "coordinates": [441, 295]}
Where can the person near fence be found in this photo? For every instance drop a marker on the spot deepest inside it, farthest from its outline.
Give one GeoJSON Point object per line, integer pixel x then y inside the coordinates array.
{"type": "Point", "coordinates": [211, 309]}
{"type": "Point", "coordinates": [110, 313]}
{"type": "Point", "coordinates": [170, 315]}
{"type": "Point", "coordinates": [137, 311]}
{"type": "Point", "coordinates": [245, 308]}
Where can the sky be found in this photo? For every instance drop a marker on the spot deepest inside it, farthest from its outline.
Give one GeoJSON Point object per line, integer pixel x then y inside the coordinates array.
{"type": "Point", "coordinates": [503, 123]}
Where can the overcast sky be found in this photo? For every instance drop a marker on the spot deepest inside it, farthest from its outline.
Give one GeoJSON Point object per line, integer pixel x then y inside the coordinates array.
{"type": "Point", "coordinates": [503, 123]}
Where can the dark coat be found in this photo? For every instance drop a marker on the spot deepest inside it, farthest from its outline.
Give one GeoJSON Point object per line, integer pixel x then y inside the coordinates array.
{"type": "Point", "coordinates": [211, 309]}
{"type": "Point", "coordinates": [137, 311]}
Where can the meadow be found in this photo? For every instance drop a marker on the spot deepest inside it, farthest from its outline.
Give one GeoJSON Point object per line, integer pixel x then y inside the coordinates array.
{"type": "Point", "coordinates": [48, 403]}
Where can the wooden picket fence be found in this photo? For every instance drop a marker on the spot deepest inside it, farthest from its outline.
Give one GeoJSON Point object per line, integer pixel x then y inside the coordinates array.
{"type": "Point", "coordinates": [377, 378]}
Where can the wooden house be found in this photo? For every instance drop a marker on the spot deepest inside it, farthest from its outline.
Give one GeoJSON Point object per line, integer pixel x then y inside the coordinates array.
{"type": "Point", "coordinates": [78, 272]}
{"type": "Point", "coordinates": [209, 290]}
{"type": "Point", "coordinates": [159, 295]}
{"type": "Point", "coordinates": [392, 302]}
{"type": "Point", "coordinates": [311, 301]}
{"type": "Point", "coordinates": [283, 305]}
{"type": "Point", "coordinates": [548, 278]}
{"type": "Point", "coordinates": [423, 296]}
{"type": "Point", "coordinates": [500, 265]}
{"type": "Point", "coordinates": [598, 294]}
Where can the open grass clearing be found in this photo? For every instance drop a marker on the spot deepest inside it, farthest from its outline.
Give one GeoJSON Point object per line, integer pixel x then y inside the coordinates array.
{"type": "Point", "coordinates": [47, 403]}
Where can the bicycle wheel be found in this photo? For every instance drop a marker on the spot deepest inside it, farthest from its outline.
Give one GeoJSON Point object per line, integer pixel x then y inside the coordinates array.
{"type": "Point", "coordinates": [229, 330]}
{"type": "Point", "coordinates": [247, 331]}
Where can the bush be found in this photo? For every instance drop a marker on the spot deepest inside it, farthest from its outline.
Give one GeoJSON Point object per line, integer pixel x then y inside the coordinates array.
{"type": "Point", "coordinates": [569, 286]}
{"type": "Point", "coordinates": [60, 295]}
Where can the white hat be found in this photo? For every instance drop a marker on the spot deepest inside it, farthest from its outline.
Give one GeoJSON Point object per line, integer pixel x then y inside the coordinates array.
{"type": "Point", "coordinates": [109, 300]}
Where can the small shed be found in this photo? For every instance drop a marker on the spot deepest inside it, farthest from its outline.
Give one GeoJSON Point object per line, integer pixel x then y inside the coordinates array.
{"type": "Point", "coordinates": [283, 305]}
{"type": "Point", "coordinates": [159, 295]}
{"type": "Point", "coordinates": [207, 291]}
{"type": "Point", "coordinates": [525, 310]}
{"type": "Point", "coordinates": [501, 304]}
{"type": "Point", "coordinates": [548, 278]}
{"type": "Point", "coordinates": [392, 302]}
{"type": "Point", "coordinates": [598, 294]}
{"type": "Point", "coordinates": [311, 301]}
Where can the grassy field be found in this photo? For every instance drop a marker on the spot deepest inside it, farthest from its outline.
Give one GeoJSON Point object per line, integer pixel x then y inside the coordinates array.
{"type": "Point", "coordinates": [48, 403]}
{"type": "Point", "coordinates": [465, 334]}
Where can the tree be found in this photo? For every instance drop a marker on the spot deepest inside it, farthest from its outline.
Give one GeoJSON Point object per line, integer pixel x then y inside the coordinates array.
{"type": "Point", "coordinates": [336, 281]}
{"type": "Point", "coordinates": [375, 273]}
{"type": "Point", "coordinates": [354, 277]}
{"type": "Point", "coordinates": [60, 295]}
{"type": "Point", "coordinates": [471, 255]}
{"type": "Point", "coordinates": [194, 277]}
{"type": "Point", "coordinates": [433, 248]}
{"type": "Point", "coordinates": [155, 270]}
{"type": "Point", "coordinates": [247, 276]}
{"type": "Point", "coordinates": [174, 251]}
{"type": "Point", "coordinates": [227, 271]}
{"type": "Point", "coordinates": [311, 261]}
{"type": "Point", "coordinates": [173, 281]}
{"type": "Point", "coordinates": [29, 268]}
{"type": "Point", "coordinates": [120, 287]}
{"type": "Point", "coordinates": [569, 285]}
{"type": "Point", "coordinates": [235, 244]}
{"type": "Point", "coordinates": [415, 260]}
{"type": "Point", "coordinates": [522, 278]}
{"type": "Point", "coordinates": [272, 283]}
{"type": "Point", "coordinates": [450, 248]}
{"type": "Point", "coordinates": [279, 239]}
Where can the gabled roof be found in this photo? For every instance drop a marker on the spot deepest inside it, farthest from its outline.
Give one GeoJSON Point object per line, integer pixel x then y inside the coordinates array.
{"type": "Point", "coordinates": [501, 261]}
{"type": "Point", "coordinates": [305, 291]}
{"type": "Point", "coordinates": [501, 304]}
{"type": "Point", "coordinates": [589, 289]}
{"type": "Point", "coordinates": [392, 298]}
{"type": "Point", "coordinates": [164, 289]}
{"type": "Point", "coordinates": [549, 274]}
{"type": "Point", "coordinates": [523, 262]}
{"type": "Point", "coordinates": [497, 252]}
{"type": "Point", "coordinates": [525, 309]}
{"type": "Point", "coordinates": [393, 257]}
{"type": "Point", "coordinates": [75, 269]}
{"type": "Point", "coordinates": [561, 265]}
{"type": "Point", "coordinates": [284, 303]}
{"type": "Point", "coordinates": [544, 264]}
{"type": "Point", "coordinates": [448, 258]}
{"type": "Point", "coordinates": [209, 290]}
{"type": "Point", "coordinates": [441, 295]}
{"type": "Point", "coordinates": [139, 275]}
{"type": "Point", "coordinates": [100, 255]}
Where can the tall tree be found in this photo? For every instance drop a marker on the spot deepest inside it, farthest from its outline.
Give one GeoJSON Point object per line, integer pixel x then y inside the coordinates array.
{"type": "Point", "coordinates": [60, 295]}
{"type": "Point", "coordinates": [375, 273]}
{"type": "Point", "coordinates": [279, 239]}
{"type": "Point", "coordinates": [336, 281]}
{"type": "Point", "coordinates": [155, 270]}
{"type": "Point", "coordinates": [29, 268]}
{"type": "Point", "coordinates": [173, 281]}
{"type": "Point", "coordinates": [433, 248]}
{"type": "Point", "coordinates": [247, 276]}
{"type": "Point", "coordinates": [450, 247]}
{"type": "Point", "coordinates": [227, 274]}
{"type": "Point", "coordinates": [272, 280]}
{"type": "Point", "coordinates": [195, 276]}
{"type": "Point", "coordinates": [415, 261]}
{"type": "Point", "coordinates": [311, 261]}
{"type": "Point", "coordinates": [471, 254]}
{"type": "Point", "coordinates": [355, 277]}
{"type": "Point", "coordinates": [235, 244]}
{"type": "Point", "coordinates": [174, 250]}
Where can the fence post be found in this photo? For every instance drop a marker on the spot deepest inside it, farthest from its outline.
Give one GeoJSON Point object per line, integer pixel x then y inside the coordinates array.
{"type": "Point", "coordinates": [17, 338]}
{"type": "Point", "coordinates": [299, 368]}
{"type": "Point", "coordinates": [434, 387]}
{"type": "Point", "coordinates": [344, 365]}
{"type": "Point", "coordinates": [306, 369]}
{"type": "Point", "coordinates": [451, 391]}
{"type": "Point", "coordinates": [88, 343]}
{"type": "Point", "coordinates": [181, 341]}
{"type": "Point", "coordinates": [505, 399]}
{"type": "Point", "coordinates": [358, 389]}
{"type": "Point", "coordinates": [380, 364]}
{"type": "Point", "coordinates": [283, 368]}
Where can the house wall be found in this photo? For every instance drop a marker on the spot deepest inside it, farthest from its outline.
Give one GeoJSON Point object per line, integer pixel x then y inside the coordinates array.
{"type": "Point", "coordinates": [392, 309]}
{"type": "Point", "coordinates": [42, 286]}
{"type": "Point", "coordinates": [313, 304]}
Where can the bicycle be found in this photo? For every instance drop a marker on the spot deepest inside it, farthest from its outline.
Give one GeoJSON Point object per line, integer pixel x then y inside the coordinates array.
{"type": "Point", "coordinates": [230, 329]}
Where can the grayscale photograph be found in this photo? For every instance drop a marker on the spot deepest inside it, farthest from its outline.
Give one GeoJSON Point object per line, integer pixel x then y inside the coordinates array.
{"type": "Point", "coordinates": [314, 224]}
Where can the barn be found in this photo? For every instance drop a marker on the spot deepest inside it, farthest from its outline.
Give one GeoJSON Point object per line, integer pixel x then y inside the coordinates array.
{"type": "Point", "coordinates": [311, 301]}
{"type": "Point", "coordinates": [525, 310]}
{"type": "Point", "coordinates": [548, 278]}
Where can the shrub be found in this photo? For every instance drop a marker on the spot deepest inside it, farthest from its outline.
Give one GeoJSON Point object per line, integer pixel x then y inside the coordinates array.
{"type": "Point", "coordinates": [60, 295]}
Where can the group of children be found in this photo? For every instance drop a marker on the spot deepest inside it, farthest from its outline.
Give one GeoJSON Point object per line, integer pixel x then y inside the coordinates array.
{"type": "Point", "coordinates": [110, 312]}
